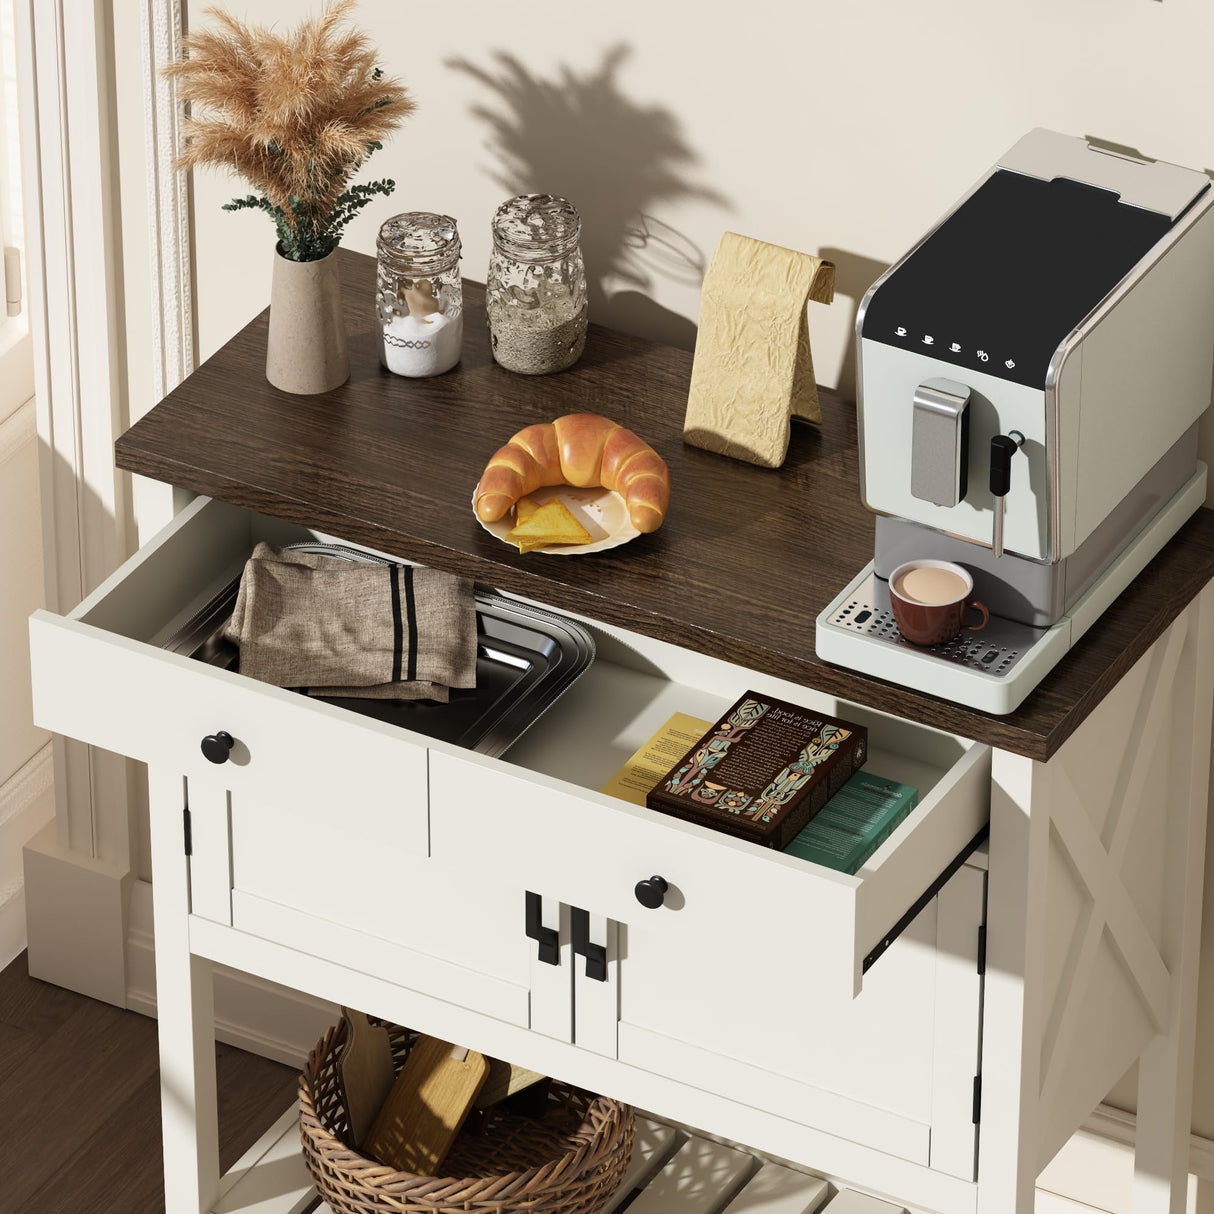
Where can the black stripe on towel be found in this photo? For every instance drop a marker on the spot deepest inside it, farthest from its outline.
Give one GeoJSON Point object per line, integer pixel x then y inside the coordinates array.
{"type": "Point", "coordinates": [397, 629]}
{"type": "Point", "coordinates": [411, 620]}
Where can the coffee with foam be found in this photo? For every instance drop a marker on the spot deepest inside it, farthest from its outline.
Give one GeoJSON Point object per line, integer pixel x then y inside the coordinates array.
{"type": "Point", "coordinates": [928, 585]}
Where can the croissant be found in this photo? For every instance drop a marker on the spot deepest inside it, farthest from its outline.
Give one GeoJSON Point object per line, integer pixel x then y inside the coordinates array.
{"type": "Point", "coordinates": [578, 449]}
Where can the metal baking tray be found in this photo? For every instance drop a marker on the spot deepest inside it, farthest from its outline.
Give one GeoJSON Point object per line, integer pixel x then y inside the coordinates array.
{"type": "Point", "coordinates": [526, 659]}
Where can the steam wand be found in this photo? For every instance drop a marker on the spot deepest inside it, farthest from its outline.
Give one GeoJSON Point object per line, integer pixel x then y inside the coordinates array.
{"type": "Point", "coordinates": [1003, 447]}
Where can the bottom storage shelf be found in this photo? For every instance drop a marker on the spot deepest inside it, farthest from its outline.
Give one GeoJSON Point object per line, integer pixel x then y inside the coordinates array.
{"type": "Point", "coordinates": [673, 1171]}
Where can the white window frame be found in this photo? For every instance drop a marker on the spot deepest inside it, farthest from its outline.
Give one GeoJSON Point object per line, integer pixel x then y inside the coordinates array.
{"type": "Point", "coordinates": [16, 357]}
{"type": "Point", "coordinates": [68, 154]}
{"type": "Point", "coordinates": [72, 305]}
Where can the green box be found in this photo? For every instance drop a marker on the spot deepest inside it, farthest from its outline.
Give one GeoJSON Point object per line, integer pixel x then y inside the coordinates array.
{"type": "Point", "coordinates": [854, 822]}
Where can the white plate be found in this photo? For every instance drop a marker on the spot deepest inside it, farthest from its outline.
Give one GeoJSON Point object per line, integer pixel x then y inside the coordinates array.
{"type": "Point", "coordinates": [601, 511]}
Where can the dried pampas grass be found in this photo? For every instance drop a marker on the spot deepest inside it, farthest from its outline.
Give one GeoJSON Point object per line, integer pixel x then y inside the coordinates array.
{"type": "Point", "coordinates": [296, 114]}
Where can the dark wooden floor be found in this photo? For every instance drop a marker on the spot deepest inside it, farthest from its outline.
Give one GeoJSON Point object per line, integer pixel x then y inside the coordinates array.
{"type": "Point", "coordinates": [80, 1102]}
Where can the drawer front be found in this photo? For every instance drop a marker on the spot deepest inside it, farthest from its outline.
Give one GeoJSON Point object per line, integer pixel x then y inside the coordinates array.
{"type": "Point", "coordinates": [99, 676]}
{"type": "Point", "coordinates": [729, 904]}
{"type": "Point", "coordinates": [128, 697]}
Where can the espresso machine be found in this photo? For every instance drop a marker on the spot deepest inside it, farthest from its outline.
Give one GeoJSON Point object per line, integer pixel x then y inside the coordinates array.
{"type": "Point", "coordinates": [1030, 377]}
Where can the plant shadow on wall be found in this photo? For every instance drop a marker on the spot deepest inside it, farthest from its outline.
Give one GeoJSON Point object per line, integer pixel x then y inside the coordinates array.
{"type": "Point", "coordinates": [618, 161]}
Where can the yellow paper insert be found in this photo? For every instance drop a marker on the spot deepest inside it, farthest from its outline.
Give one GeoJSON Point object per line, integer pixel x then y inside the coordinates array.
{"type": "Point", "coordinates": [653, 760]}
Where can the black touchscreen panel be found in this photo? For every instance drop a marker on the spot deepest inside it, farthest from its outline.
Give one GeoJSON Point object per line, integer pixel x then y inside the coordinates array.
{"type": "Point", "coordinates": [1009, 274]}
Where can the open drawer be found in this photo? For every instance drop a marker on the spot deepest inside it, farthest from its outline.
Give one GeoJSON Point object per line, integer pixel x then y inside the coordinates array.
{"type": "Point", "coordinates": [99, 675]}
{"type": "Point", "coordinates": [731, 907]}
{"type": "Point", "coordinates": [357, 787]}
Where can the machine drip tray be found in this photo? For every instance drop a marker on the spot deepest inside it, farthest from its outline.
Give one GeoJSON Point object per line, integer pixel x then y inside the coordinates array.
{"type": "Point", "coordinates": [992, 669]}
{"type": "Point", "coordinates": [1019, 655]}
{"type": "Point", "coordinates": [995, 650]}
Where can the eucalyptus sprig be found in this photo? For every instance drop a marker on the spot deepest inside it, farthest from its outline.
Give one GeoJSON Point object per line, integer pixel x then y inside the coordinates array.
{"type": "Point", "coordinates": [298, 239]}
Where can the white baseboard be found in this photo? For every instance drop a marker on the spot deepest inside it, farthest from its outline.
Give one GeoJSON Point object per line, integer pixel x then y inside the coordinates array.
{"type": "Point", "coordinates": [75, 911]}
{"type": "Point", "coordinates": [1119, 1126]}
{"type": "Point", "coordinates": [27, 804]}
{"type": "Point", "coordinates": [18, 426]}
{"type": "Point", "coordinates": [1095, 1170]}
{"type": "Point", "coordinates": [12, 926]}
{"type": "Point", "coordinates": [1051, 1203]}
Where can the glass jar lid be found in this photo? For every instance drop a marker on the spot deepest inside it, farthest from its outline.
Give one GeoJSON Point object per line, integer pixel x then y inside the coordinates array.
{"type": "Point", "coordinates": [419, 240]}
{"type": "Point", "coordinates": [536, 227]}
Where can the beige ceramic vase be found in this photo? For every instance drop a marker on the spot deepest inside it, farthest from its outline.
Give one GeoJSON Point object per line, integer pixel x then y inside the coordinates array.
{"type": "Point", "coordinates": [306, 351]}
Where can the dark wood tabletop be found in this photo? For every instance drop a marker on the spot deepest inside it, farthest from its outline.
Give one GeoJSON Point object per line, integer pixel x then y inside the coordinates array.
{"type": "Point", "coordinates": [745, 560]}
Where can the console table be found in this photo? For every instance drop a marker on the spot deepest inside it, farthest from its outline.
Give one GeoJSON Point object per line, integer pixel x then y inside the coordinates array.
{"type": "Point", "coordinates": [932, 1029]}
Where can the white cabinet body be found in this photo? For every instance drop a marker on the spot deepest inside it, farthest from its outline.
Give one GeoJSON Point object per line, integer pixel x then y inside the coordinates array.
{"type": "Point", "coordinates": [838, 1021]}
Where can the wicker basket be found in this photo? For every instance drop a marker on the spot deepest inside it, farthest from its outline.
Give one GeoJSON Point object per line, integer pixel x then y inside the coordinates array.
{"type": "Point", "coordinates": [570, 1162]}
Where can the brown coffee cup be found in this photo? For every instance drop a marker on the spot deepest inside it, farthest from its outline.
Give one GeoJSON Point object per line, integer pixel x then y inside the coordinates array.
{"type": "Point", "coordinates": [930, 607]}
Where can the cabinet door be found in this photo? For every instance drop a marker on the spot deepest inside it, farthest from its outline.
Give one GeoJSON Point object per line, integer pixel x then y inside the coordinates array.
{"type": "Point", "coordinates": [861, 1069]}
{"type": "Point", "coordinates": [550, 968]}
{"type": "Point", "coordinates": [957, 1043]}
{"type": "Point", "coordinates": [596, 981]}
{"type": "Point", "coordinates": [335, 888]}
{"type": "Point", "coordinates": [894, 1068]}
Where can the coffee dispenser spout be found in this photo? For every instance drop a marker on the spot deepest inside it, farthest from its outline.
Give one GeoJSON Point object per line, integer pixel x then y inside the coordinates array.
{"type": "Point", "coordinates": [1003, 447]}
{"type": "Point", "coordinates": [940, 442]}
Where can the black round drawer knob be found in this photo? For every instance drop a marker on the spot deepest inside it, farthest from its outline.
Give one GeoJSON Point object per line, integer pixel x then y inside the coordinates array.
{"type": "Point", "coordinates": [651, 893]}
{"type": "Point", "coordinates": [217, 746]}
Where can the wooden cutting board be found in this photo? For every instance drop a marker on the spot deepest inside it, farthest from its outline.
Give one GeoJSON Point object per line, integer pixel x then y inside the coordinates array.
{"type": "Point", "coordinates": [504, 1080]}
{"type": "Point", "coordinates": [365, 1071]}
{"type": "Point", "coordinates": [428, 1103]}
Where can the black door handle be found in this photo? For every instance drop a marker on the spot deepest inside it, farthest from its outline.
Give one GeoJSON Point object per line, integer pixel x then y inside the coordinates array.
{"type": "Point", "coordinates": [595, 954]}
{"type": "Point", "coordinates": [548, 938]}
{"type": "Point", "coordinates": [217, 746]}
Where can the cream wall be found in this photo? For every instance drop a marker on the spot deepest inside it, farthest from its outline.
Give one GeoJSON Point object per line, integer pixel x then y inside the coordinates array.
{"type": "Point", "coordinates": [824, 126]}
{"type": "Point", "coordinates": [834, 127]}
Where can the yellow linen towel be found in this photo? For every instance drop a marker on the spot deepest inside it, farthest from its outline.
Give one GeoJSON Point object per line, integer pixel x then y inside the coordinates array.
{"type": "Point", "coordinates": [753, 368]}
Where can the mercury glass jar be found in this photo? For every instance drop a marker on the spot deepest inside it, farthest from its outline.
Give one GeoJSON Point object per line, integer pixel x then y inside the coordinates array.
{"type": "Point", "coordinates": [536, 291]}
{"type": "Point", "coordinates": [419, 298]}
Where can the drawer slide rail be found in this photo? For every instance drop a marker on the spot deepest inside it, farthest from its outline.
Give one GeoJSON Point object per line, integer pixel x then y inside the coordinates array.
{"type": "Point", "coordinates": [928, 894]}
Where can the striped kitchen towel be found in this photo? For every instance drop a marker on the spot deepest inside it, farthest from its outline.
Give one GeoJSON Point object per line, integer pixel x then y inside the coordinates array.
{"type": "Point", "coordinates": [338, 628]}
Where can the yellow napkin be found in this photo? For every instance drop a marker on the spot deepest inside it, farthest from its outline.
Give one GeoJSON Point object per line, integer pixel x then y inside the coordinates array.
{"type": "Point", "coordinates": [753, 368]}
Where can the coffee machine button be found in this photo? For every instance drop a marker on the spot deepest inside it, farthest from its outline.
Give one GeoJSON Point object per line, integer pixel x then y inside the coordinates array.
{"type": "Point", "coordinates": [900, 331]}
